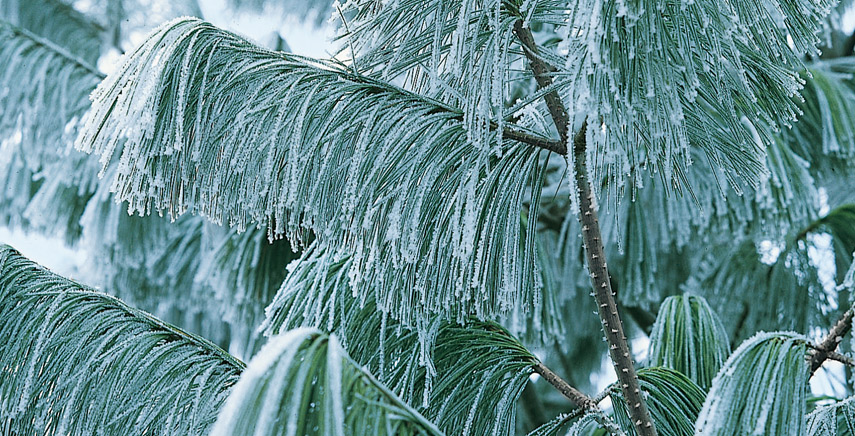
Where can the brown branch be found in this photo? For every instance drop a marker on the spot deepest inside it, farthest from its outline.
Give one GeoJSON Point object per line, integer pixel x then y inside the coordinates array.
{"type": "Point", "coordinates": [822, 351]}
{"type": "Point", "coordinates": [537, 141]}
{"type": "Point", "coordinates": [842, 358]}
{"type": "Point", "coordinates": [543, 75]}
{"type": "Point", "coordinates": [606, 305]}
{"type": "Point", "coordinates": [567, 417]}
{"type": "Point", "coordinates": [579, 399]}
{"type": "Point", "coordinates": [509, 130]}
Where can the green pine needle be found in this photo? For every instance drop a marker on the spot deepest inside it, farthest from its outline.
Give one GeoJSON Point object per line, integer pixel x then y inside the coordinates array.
{"type": "Point", "coordinates": [77, 361]}
{"type": "Point", "coordinates": [302, 382]}
{"type": "Point", "coordinates": [689, 337]}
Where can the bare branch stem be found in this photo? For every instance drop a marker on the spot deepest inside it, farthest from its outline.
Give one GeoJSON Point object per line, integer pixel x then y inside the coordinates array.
{"type": "Point", "coordinates": [581, 400]}
{"type": "Point", "coordinates": [606, 305]}
{"type": "Point", "coordinates": [537, 141]}
{"type": "Point", "coordinates": [842, 358]}
{"type": "Point", "coordinates": [824, 349]}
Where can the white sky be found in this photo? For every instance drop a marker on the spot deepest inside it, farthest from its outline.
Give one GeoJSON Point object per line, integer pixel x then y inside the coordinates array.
{"type": "Point", "coordinates": [301, 35]}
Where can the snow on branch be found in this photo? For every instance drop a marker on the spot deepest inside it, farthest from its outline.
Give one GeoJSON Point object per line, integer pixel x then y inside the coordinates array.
{"type": "Point", "coordinates": [302, 382]}
{"type": "Point", "coordinates": [665, 77]}
{"type": "Point", "coordinates": [45, 93]}
{"type": "Point", "coordinates": [464, 378]}
{"type": "Point", "coordinates": [760, 389]}
{"type": "Point", "coordinates": [45, 89]}
{"type": "Point", "coordinates": [461, 54]}
{"type": "Point", "coordinates": [57, 22]}
{"type": "Point", "coordinates": [688, 336]}
{"type": "Point", "coordinates": [200, 120]}
{"type": "Point", "coordinates": [77, 361]}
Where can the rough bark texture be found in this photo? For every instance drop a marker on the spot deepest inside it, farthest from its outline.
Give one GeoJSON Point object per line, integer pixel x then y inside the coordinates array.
{"type": "Point", "coordinates": [835, 335]}
{"type": "Point", "coordinates": [546, 144]}
{"type": "Point", "coordinates": [606, 306]}
{"type": "Point", "coordinates": [543, 75]}
{"type": "Point", "coordinates": [581, 400]}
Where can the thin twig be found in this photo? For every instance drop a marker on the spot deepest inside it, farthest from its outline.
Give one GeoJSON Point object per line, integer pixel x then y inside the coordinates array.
{"type": "Point", "coordinates": [822, 350]}
{"type": "Point", "coordinates": [579, 399]}
{"type": "Point", "coordinates": [606, 306]}
{"type": "Point", "coordinates": [842, 358]}
{"type": "Point", "coordinates": [537, 141]}
{"type": "Point", "coordinates": [577, 413]}
{"type": "Point", "coordinates": [605, 393]}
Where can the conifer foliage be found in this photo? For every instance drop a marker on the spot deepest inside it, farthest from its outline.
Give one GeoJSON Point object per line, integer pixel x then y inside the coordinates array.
{"type": "Point", "coordinates": [447, 226]}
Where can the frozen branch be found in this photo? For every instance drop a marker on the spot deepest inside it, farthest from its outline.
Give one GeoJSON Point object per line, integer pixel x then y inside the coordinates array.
{"type": "Point", "coordinates": [827, 347]}
{"type": "Point", "coordinates": [606, 305]}
{"type": "Point", "coordinates": [581, 400]}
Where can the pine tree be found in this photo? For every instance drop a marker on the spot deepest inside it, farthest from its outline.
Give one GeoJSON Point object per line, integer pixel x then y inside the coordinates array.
{"type": "Point", "coordinates": [444, 228]}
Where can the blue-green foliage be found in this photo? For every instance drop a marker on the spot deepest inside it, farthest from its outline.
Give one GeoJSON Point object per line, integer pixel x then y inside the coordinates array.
{"type": "Point", "coordinates": [673, 399]}
{"type": "Point", "coordinates": [77, 361]}
{"type": "Point", "coordinates": [689, 337]}
{"type": "Point", "coordinates": [760, 390]}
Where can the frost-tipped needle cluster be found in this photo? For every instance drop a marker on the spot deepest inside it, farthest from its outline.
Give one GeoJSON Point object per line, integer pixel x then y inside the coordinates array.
{"type": "Point", "coordinates": [407, 170]}
{"type": "Point", "coordinates": [46, 89]}
{"type": "Point", "coordinates": [466, 379]}
{"type": "Point", "coordinates": [302, 382]}
{"type": "Point", "coordinates": [664, 77]}
{"type": "Point", "coordinates": [689, 337]}
{"type": "Point", "coordinates": [673, 398]}
{"type": "Point", "coordinates": [58, 22]}
{"type": "Point", "coordinates": [832, 419]}
{"type": "Point", "coordinates": [44, 94]}
{"type": "Point", "coordinates": [201, 120]}
{"type": "Point", "coordinates": [451, 57]}
{"type": "Point", "coordinates": [760, 390]}
{"type": "Point", "coordinates": [77, 361]}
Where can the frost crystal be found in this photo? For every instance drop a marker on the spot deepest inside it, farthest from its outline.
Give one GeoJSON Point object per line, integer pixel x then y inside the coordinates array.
{"type": "Point", "coordinates": [368, 168]}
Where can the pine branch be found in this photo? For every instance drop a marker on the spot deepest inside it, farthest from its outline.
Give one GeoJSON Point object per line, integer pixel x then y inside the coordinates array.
{"type": "Point", "coordinates": [78, 361]}
{"type": "Point", "coordinates": [581, 400]}
{"type": "Point", "coordinates": [542, 74]}
{"type": "Point", "coordinates": [826, 419]}
{"type": "Point", "coordinates": [303, 382]}
{"type": "Point", "coordinates": [53, 47]}
{"type": "Point", "coordinates": [464, 378]}
{"type": "Point", "coordinates": [689, 337]}
{"type": "Point", "coordinates": [675, 401]}
{"type": "Point", "coordinates": [829, 344]}
{"type": "Point", "coordinates": [308, 147]}
{"type": "Point", "coordinates": [759, 390]}
{"type": "Point", "coordinates": [660, 86]}
{"type": "Point", "coordinates": [45, 91]}
{"type": "Point", "coordinates": [606, 306]}
{"type": "Point", "coordinates": [57, 22]}
{"type": "Point", "coordinates": [537, 141]}
{"type": "Point", "coordinates": [839, 357]}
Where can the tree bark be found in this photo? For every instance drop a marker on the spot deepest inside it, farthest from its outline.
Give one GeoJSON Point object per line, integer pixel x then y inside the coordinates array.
{"type": "Point", "coordinates": [591, 235]}
{"type": "Point", "coordinates": [581, 400]}
{"type": "Point", "coordinates": [829, 344]}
